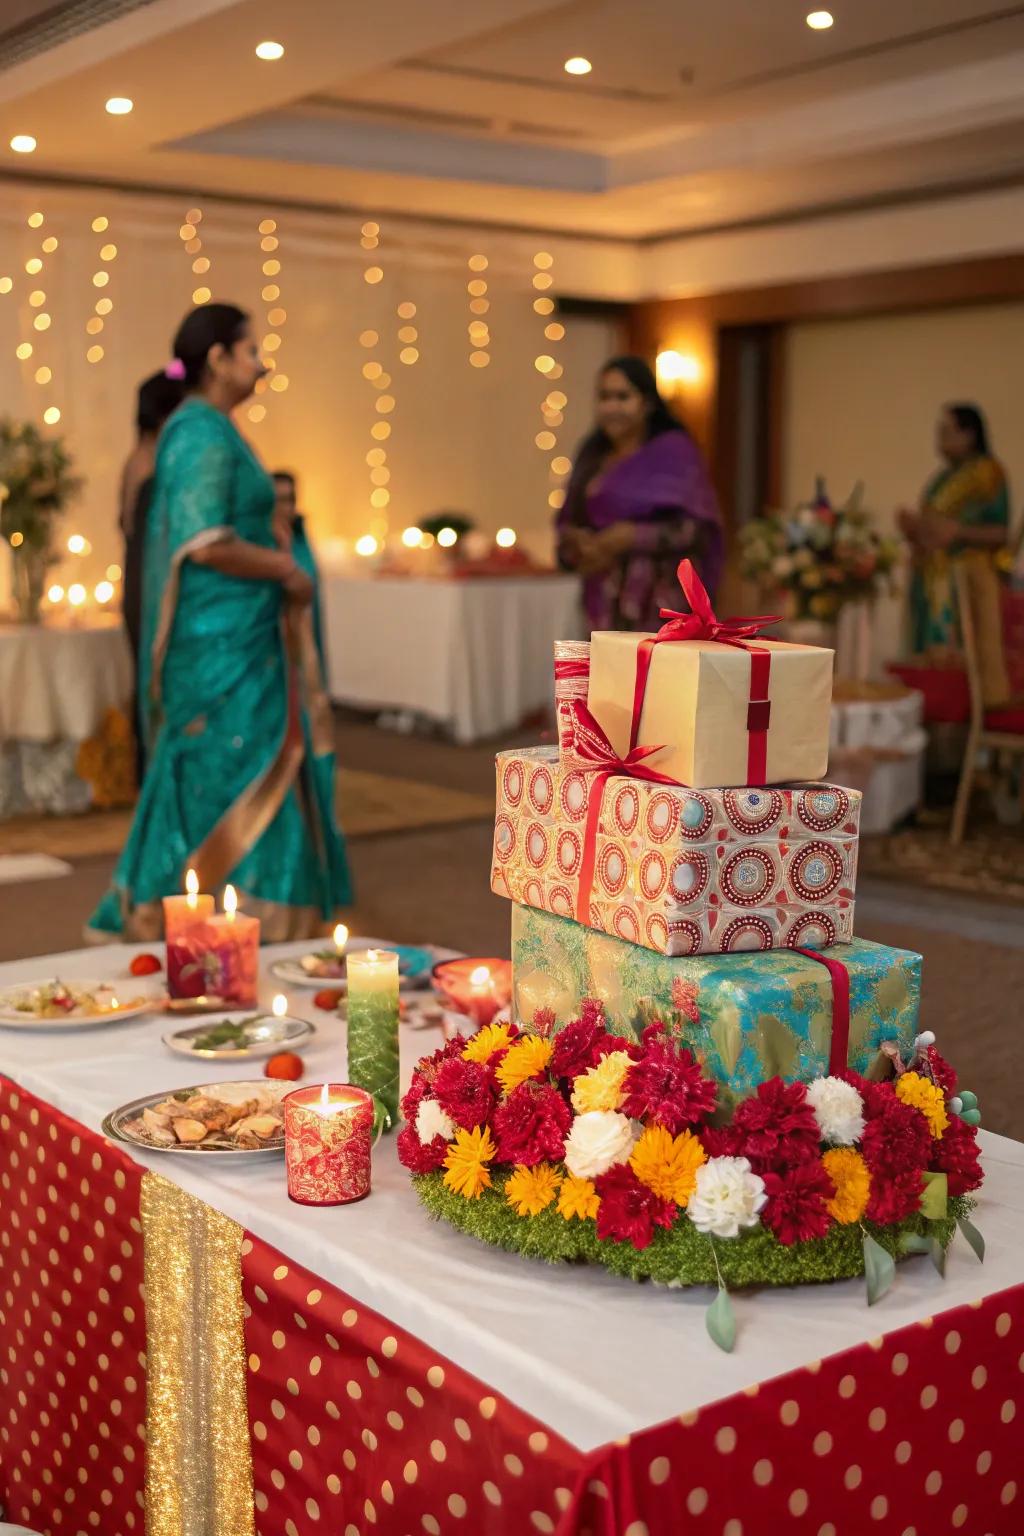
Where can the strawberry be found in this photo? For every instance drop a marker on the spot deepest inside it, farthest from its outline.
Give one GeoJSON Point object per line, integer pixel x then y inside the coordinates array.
{"type": "Point", "coordinates": [284, 1065]}
{"type": "Point", "coordinates": [328, 999]}
{"type": "Point", "coordinates": [145, 965]}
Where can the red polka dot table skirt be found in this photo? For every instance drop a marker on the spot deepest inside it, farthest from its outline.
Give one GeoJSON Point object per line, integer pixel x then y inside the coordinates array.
{"type": "Point", "coordinates": [165, 1371]}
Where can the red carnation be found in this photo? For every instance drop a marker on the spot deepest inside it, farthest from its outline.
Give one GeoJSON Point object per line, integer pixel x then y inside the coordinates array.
{"type": "Point", "coordinates": [941, 1072]}
{"type": "Point", "coordinates": [466, 1090]}
{"type": "Point", "coordinates": [896, 1139]}
{"type": "Point", "coordinates": [629, 1211]}
{"type": "Point", "coordinates": [431, 1065]}
{"type": "Point", "coordinates": [894, 1197]}
{"type": "Point", "coordinates": [581, 1045]}
{"type": "Point", "coordinates": [777, 1127]}
{"type": "Point", "coordinates": [410, 1103]}
{"type": "Point", "coordinates": [417, 1157]}
{"type": "Point", "coordinates": [796, 1209]}
{"type": "Point", "coordinates": [530, 1126]}
{"type": "Point", "coordinates": [956, 1155]}
{"type": "Point", "coordinates": [666, 1086]}
{"type": "Point", "coordinates": [721, 1141]}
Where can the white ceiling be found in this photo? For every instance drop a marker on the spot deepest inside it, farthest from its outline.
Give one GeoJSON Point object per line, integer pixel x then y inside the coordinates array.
{"type": "Point", "coordinates": [695, 115]}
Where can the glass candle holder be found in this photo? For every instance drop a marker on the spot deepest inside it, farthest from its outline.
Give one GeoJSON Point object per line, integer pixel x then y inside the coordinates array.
{"type": "Point", "coordinates": [328, 1137]}
{"type": "Point", "coordinates": [477, 989]}
{"type": "Point", "coordinates": [372, 1011]}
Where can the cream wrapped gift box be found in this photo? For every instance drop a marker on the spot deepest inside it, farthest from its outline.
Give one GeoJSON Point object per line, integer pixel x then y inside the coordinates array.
{"type": "Point", "coordinates": [700, 708]}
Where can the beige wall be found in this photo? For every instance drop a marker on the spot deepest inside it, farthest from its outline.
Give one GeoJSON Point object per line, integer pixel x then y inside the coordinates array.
{"type": "Point", "coordinates": [463, 438]}
{"type": "Point", "coordinates": [862, 398]}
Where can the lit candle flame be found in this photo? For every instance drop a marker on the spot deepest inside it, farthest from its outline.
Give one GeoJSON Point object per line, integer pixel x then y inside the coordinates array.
{"type": "Point", "coordinates": [480, 977]}
{"type": "Point", "coordinates": [192, 888]}
{"type": "Point", "coordinates": [325, 1097]}
{"type": "Point", "coordinates": [279, 1007]}
{"type": "Point", "coordinates": [230, 902]}
{"type": "Point", "coordinates": [340, 936]}
{"type": "Point", "coordinates": [114, 1003]}
{"type": "Point", "coordinates": [373, 955]}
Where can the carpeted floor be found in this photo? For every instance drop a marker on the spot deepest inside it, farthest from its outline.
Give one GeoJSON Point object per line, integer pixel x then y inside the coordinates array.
{"type": "Point", "coordinates": [431, 881]}
{"type": "Point", "coordinates": [988, 863]}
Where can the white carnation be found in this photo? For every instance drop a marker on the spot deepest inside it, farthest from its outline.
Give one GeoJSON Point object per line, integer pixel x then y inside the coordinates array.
{"type": "Point", "coordinates": [727, 1196]}
{"type": "Point", "coordinates": [839, 1110]}
{"type": "Point", "coordinates": [431, 1121]}
{"type": "Point", "coordinates": [596, 1141]}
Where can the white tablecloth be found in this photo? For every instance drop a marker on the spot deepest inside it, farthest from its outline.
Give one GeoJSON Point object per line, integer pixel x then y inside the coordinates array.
{"type": "Point", "coordinates": [475, 655]}
{"type": "Point", "coordinates": [57, 681]}
{"type": "Point", "coordinates": [591, 1355]}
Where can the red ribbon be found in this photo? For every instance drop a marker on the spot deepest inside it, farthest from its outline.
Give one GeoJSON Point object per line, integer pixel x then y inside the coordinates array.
{"type": "Point", "coordinates": [839, 1050]}
{"type": "Point", "coordinates": [701, 624]}
{"type": "Point", "coordinates": [570, 669]}
{"type": "Point", "coordinates": [591, 752]}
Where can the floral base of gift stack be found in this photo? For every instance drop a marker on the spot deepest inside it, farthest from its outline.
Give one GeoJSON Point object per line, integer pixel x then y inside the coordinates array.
{"type": "Point", "coordinates": [577, 1146]}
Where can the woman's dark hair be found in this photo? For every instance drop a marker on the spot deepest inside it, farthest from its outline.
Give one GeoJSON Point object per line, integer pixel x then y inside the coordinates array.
{"type": "Point", "coordinates": [209, 326]}
{"type": "Point", "coordinates": [594, 447]}
{"type": "Point", "coordinates": [969, 419]}
{"type": "Point", "coordinates": [159, 397]}
{"type": "Point", "coordinates": [286, 477]}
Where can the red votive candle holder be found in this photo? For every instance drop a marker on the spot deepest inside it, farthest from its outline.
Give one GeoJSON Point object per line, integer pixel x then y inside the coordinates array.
{"type": "Point", "coordinates": [328, 1132]}
{"type": "Point", "coordinates": [478, 989]}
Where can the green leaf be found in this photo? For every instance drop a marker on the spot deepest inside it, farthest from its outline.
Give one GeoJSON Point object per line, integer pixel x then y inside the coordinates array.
{"type": "Point", "coordinates": [915, 1242]}
{"type": "Point", "coordinates": [879, 1269]}
{"type": "Point", "coordinates": [934, 1196]}
{"type": "Point", "coordinates": [720, 1320]}
{"type": "Point", "coordinates": [938, 1256]}
{"type": "Point", "coordinates": [973, 1236]}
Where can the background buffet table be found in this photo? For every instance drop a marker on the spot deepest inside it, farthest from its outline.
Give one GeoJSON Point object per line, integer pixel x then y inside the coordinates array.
{"type": "Point", "coordinates": [392, 1375]}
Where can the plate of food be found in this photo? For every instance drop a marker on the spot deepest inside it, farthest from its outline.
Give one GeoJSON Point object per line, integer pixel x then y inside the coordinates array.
{"type": "Point", "coordinates": [57, 1004]}
{"type": "Point", "coordinates": [328, 965]}
{"type": "Point", "coordinates": [230, 1120]}
{"type": "Point", "coordinates": [238, 1036]}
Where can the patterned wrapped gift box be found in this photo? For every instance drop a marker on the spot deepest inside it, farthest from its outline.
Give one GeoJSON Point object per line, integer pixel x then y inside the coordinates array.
{"type": "Point", "coordinates": [679, 871]}
{"type": "Point", "coordinates": [759, 1014]}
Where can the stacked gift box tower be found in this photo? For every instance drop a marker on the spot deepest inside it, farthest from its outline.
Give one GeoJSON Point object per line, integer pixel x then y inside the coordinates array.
{"type": "Point", "coordinates": [680, 851]}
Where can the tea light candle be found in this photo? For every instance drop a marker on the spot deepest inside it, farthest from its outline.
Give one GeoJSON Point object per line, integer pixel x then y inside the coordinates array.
{"type": "Point", "coordinates": [327, 1142]}
{"type": "Point", "coordinates": [477, 989]}
{"type": "Point", "coordinates": [183, 917]}
{"type": "Point", "coordinates": [373, 1029]}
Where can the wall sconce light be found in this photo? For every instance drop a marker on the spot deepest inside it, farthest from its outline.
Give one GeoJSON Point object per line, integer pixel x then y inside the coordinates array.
{"type": "Point", "coordinates": [675, 368]}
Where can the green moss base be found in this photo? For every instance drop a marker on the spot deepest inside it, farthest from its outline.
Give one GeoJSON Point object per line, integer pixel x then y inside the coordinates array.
{"type": "Point", "coordinates": [681, 1256]}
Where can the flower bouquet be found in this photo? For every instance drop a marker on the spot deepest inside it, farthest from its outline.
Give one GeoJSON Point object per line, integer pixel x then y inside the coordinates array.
{"type": "Point", "coordinates": [578, 1145]}
{"type": "Point", "coordinates": [36, 485]}
{"type": "Point", "coordinates": [819, 557]}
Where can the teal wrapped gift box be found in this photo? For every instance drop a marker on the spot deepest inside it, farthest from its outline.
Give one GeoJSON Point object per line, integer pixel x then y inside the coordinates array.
{"type": "Point", "coordinates": [761, 1013]}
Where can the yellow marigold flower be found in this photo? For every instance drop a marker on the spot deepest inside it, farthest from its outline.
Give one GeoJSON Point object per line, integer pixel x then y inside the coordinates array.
{"type": "Point", "coordinates": [483, 1045]}
{"type": "Point", "coordinates": [578, 1197]}
{"type": "Point", "coordinates": [525, 1058]}
{"type": "Point", "coordinates": [852, 1179]}
{"type": "Point", "coordinates": [921, 1094]}
{"type": "Point", "coordinates": [466, 1161]}
{"type": "Point", "coordinates": [531, 1190]}
{"type": "Point", "coordinates": [668, 1164]}
{"type": "Point", "coordinates": [600, 1087]}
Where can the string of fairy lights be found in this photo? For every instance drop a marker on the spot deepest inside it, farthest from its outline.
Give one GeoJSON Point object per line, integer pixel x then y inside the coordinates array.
{"type": "Point", "coordinates": [103, 305]}
{"type": "Point", "coordinates": [192, 242]}
{"type": "Point", "coordinates": [275, 316]}
{"type": "Point", "coordinates": [479, 304]}
{"type": "Point", "coordinates": [552, 408]}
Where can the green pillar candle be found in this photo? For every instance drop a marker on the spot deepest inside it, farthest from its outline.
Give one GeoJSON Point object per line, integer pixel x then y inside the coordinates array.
{"type": "Point", "coordinates": [373, 1030]}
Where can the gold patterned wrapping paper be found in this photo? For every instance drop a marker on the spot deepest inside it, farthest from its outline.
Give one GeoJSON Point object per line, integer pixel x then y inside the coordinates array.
{"type": "Point", "coordinates": [679, 871]}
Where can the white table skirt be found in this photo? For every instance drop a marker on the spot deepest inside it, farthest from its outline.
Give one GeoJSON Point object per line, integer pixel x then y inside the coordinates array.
{"type": "Point", "coordinates": [475, 655]}
{"type": "Point", "coordinates": [58, 681]}
{"type": "Point", "coordinates": [591, 1355]}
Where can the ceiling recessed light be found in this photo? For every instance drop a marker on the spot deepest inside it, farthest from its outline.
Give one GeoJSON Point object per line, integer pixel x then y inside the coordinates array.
{"type": "Point", "coordinates": [23, 143]}
{"type": "Point", "coordinates": [269, 50]}
{"type": "Point", "coordinates": [820, 21]}
{"type": "Point", "coordinates": [578, 66]}
{"type": "Point", "coordinates": [120, 106]}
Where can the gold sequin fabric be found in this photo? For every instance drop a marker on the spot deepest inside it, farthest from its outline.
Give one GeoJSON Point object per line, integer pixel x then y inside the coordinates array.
{"type": "Point", "coordinates": [199, 1471]}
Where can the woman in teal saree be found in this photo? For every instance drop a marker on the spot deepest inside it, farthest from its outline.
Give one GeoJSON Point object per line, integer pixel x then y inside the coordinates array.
{"type": "Point", "coordinates": [240, 785]}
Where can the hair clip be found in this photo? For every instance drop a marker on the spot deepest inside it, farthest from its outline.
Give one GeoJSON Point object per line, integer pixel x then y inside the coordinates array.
{"type": "Point", "coordinates": [175, 369]}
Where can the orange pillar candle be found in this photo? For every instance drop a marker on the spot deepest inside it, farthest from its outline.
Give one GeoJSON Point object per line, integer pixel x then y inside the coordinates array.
{"type": "Point", "coordinates": [327, 1141]}
{"type": "Point", "coordinates": [231, 954]}
{"type": "Point", "coordinates": [184, 917]}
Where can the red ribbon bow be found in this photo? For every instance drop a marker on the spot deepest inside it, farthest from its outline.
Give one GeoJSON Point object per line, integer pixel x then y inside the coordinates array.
{"type": "Point", "coordinates": [591, 752]}
{"type": "Point", "coordinates": [701, 624]}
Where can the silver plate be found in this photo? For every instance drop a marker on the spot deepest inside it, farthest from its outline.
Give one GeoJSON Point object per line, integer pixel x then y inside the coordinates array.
{"type": "Point", "coordinates": [12, 1017]}
{"type": "Point", "coordinates": [267, 1036]}
{"type": "Point", "coordinates": [113, 1125]}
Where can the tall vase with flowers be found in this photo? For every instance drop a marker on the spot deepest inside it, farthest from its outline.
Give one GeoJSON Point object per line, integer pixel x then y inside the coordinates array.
{"type": "Point", "coordinates": [818, 558]}
{"type": "Point", "coordinates": [36, 485]}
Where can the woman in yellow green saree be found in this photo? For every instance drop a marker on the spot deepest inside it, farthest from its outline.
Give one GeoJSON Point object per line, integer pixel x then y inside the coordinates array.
{"type": "Point", "coordinates": [963, 517]}
{"type": "Point", "coordinates": [240, 782]}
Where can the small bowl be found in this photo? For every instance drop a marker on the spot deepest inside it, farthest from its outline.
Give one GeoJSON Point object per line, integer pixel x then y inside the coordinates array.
{"type": "Point", "coordinates": [267, 1035]}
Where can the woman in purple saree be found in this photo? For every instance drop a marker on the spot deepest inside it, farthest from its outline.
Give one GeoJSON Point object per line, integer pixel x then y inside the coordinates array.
{"type": "Point", "coordinates": [639, 498]}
